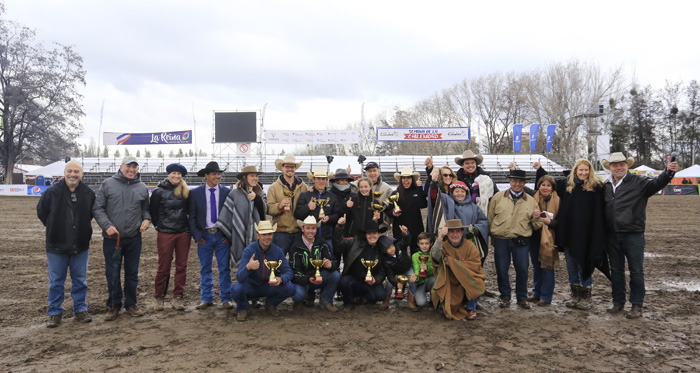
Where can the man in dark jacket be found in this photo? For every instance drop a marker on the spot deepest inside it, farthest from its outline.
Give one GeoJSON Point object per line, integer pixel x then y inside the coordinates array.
{"type": "Point", "coordinates": [470, 170]}
{"type": "Point", "coordinates": [66, 211]}
{"type": "Point", "coordinates": [309, 246]}
{"type": "Point", "coordinates": [307, 206]}
{"type": "Point", "coordinates": [121, 210]}
{"type": "Point", "coordinates": [626, 196]}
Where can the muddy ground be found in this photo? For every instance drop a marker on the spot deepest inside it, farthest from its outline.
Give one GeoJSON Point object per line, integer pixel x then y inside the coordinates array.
{"type": "Point", "coordinates": [554, 338]}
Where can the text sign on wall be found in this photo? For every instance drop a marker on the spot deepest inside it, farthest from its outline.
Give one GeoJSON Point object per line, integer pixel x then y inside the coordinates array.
{"type": "Point", "coordinates": [424, 134]}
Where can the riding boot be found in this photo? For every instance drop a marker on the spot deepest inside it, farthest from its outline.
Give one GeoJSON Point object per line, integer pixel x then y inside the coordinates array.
{"type": "Point", "coordinates": [412, 303]}
{"type": "Point", "coordinates": [584, 302]}
{"type": "Point", "coordinates": [385, 304]}
{"type": "Point", "coordinates": [575, 296]}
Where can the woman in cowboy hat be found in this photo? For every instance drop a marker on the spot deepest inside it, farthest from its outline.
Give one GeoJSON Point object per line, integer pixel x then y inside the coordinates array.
{"type": "Point", "coordinates": [243, 208]}
{"type": "Point", "coordinates": [412, 199]}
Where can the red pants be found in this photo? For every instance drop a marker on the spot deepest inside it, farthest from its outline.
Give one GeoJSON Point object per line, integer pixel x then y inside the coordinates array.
{"type": "Point", "coordinates": [169, 244]}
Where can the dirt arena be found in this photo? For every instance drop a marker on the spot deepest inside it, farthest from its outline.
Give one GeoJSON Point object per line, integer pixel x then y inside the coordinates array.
{"type": "Point", "coordinates": [551, 338]}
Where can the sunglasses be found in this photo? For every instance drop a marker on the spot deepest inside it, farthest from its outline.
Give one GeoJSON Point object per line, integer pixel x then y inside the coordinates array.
{"type": "Point", "coordinates": [447, 175]}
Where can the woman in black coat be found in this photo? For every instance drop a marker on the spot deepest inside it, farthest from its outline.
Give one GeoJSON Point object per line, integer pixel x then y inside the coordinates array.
{"type": "Point", "coordinates": [411, 199]}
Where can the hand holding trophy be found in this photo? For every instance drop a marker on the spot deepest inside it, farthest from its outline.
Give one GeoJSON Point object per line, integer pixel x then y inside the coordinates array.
{"type": "Point", "coordinates": [317, 263]}
{"type": "Point", "coordinates": [424, 260]}
{"type": "Point", "coordinates": [272, 265]}
{"type": "Point", "coordinates": [395, 199]}
{"type": "Point", "coordinates": [321, 202]}
{"type": "Point", "coordinates": [400, 279]}
{"type": "Point", "coordinates": [369, 264]}
{"type": "Point", "coordinates": [289, 194]}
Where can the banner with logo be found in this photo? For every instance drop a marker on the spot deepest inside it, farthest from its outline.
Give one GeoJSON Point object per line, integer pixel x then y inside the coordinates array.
{"type": "Point", "coordinates": [424, 134]}
{"type": "Point", "coordinates": [312, 137]}
{"type": "Point", "coordinates": [154, 138]}
{"type": "Point", "coordinates": [13, 190]}
{"type": "Point", "coordinates": [550, 136]}
{"type": "Point", "coordinates": [36, 190]}
{"type": "Point", "coordinates": [534, 131]}
{"type": "Point", "coordinates": [680, 190]}
{"type": "Point", "coordinates": [517, 137]}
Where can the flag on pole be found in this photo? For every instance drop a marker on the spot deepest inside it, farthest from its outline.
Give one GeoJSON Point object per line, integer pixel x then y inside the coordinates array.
{"type": "Point", "coordinates": [550, 136]}
{"type": "Point", "coordinates": [364, 123]}
{"type": "Point", "coordinates": [517, 137]}
{"type": "Point", "coordinates": [534, 131]}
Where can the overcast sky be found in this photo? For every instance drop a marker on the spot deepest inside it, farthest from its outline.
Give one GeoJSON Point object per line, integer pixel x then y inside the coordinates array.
{"type": "Point", "coordinates": [315, 62]}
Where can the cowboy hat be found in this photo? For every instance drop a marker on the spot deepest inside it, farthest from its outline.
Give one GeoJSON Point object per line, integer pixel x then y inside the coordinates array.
{"type": "Point", "coordinates": [468, 154]}
{"type": "Point", "coordinates": [370, 227]}
{"type": "Point", "coordinates": [211, 167]}
{"type": "Point", "coordinates": [265, 227]}
{"type": "Point", "coordinates": [406, 172]}
{"type": "Point", "coordinates": [455, 224]}
{"type": "Point", "coordinates": [341, 174]}
{"type": "Point", "coordinates": [247, 170]}
{"type": "Point", "coordinates": [310, 220]}
{"type": "Point", "coordinates": [288, 159]}
{"type": "Point", "coordinates": [319, 172]}
{"type": "Point", "coordinates": [517, 174]}
{"type": "Point", "coordinates": [618, 157]}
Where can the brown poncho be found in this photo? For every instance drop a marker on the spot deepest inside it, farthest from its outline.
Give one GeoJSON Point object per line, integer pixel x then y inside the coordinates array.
{"type": "Point", "coordinates": [458, 277]}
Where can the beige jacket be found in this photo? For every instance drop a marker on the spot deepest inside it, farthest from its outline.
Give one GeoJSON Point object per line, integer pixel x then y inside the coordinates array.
{"type": "Point", "coordinates": [284, 219]}
{"type": "Point", "coordinates": [510, 220]}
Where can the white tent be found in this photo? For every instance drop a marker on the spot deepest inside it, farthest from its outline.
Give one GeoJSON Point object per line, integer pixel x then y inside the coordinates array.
{"type": "Point", "coordinates": [645, 168]}
{"type": "Point", "coordinates": [692, 171]}
{"type": "Point", "coordinates": [53, 169]}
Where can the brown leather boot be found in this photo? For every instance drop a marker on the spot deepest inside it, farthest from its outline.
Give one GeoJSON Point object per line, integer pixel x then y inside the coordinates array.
{"type": "Point", "coordinates": [584, 302]}
{"type": "Point", "coordinates": [412, 303]}
{"type": "Point", "coordinates": [575, 296]}
{"type": "Point", "coordinates": [385, 304]}
{"type": "Point", "coordinates": [635, 312]}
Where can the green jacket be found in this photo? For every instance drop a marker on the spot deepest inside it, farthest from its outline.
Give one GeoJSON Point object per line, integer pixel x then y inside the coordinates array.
{"type": "Point", "coordinates": [416, 267]}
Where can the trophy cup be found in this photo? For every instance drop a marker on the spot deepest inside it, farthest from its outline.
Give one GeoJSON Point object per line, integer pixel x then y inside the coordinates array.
{"type": "Point", "coordinates": [424, 260]}
{"type": "Point", "coordinates": [376, 195]}
{"type": "Point", "coordinates": [289, 194]}
{"type": "Point", "coordinates": [272, 265]}
{"type": "Point", "coordinates": [317, 263]}
{"type": "Point", "coordinates": [395, 199]}
{"type": "Point", "coordinates": [321, 202]}
{"type": "Point", "coordinates": [399, 291]}
{"type": "Point", "coordinates": [377, 207]}
{"type": "Point", "coordinates": [369, 264]}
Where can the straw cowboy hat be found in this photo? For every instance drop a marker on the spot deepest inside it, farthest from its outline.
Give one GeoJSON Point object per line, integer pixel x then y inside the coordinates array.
{"type": "Point", "coordinates": [406, 172]}
{"type": "Point", "coordinates": [319, 172]}
{"type": "Point", "coordinates": [310, 220]}
{"type": "Point", "coordinates": [211, 167]}
{"type": "Point", "coordinates": [455, 224]}
{"type": "Point", "coordinates": [288, 159]}
{"type": "Point", "coordinates": [265, 227]}
{"type": "Point", "coordinates": [468, 154]}
{"type": "Point", "coordinates": [246, 171]}
{"type": "Point", "coordinates": [618, 157]}
{"type": "Point", "coordinates": [517, 174]}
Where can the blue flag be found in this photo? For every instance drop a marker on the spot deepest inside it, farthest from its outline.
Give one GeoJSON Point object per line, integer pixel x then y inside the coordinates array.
{"type": "Point", "coordinates": [534, 131]}
{"type": "Point", "coordinates": [550, 136]}
{"type": "Point", "coordinates": [517, 137]}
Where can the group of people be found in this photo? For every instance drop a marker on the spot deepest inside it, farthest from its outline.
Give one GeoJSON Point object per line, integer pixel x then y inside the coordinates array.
{"type": "Point", "coordinates": [332, 236]}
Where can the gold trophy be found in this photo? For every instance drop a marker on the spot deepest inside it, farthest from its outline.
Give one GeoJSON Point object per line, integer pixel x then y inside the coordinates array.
{"type": "Point", "coordinates": [321, 202]}
{"type": "Point", "coordinates": [289, 194]}
{"type": "Point", "coordinates": [399, 291]}
{"type": "Point", "coordinates": [395, 199]}
{"type": "Point", "coordinates": [376, 195]}
{"type": "Point", "coordinates": [272, 265]}
{"type": "Point", "coordinates": [317, 263]}
{"type": "Point", "coordinates": [378, 207]}
{"type": "Point", "coordinates": [424, 260]}
{"type": "Point", "coordinates": [369, 264]}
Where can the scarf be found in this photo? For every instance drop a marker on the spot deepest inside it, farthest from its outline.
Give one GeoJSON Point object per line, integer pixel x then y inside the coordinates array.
{"type": "Point", "coordinates": [549, 255]}
{"type": "Point", "coordinates": [236, 220]}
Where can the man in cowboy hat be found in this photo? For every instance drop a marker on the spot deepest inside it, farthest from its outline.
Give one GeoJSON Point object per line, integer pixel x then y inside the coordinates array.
{"type": "Point", "coordinates": [206, 202]}
{"type": "Point", "coordinates": [282, 199]}
{"type": "Point", "coordinates": [411, 199]}
{"type": "Point", "coordinates": [121, 210]}
{"type": "Point", "coordinates": [307, 205]}
{"type": "Point", "coordinates": [254, 276]}
{"type": "Point", "coordinates": [513, 216]}
{"type": "Point", "coordinates": [459, 277]}
{"type": "Point", "coordinates": [306, 247]}
{"type": "Point", "coordinates": [470, 171]}
{"type": "Point", "coordinates": [626, 196]}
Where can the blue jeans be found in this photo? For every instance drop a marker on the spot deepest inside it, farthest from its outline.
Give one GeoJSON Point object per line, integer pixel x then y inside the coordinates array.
{"type": "Point", "coordinates": [214, 246]}
{"type": "Point", "coordinates": [274, 295]}
{"type": "Point", "coordinates": [389, 287]}
{"type": "Point", "coordinates": [503, 250]}
{"type": "Point", "coordinates": [419, 290]}
{"type": "Point", "coordinates": [542, 278]}
{"type": "Point", "coordinates": [58, 267]}
{"type": "Point", "coordinates": [575, 271]}
{"type": "Point", "coordinates": [131, 255]}
{"type": "Point", "coordinates": [471, 304]}
{"type": "Point", "coordinates": [283, 240]}
{"type": "Point", "coordinates": [328, 286]}
{"type": "Point", "coordinates": [352, 287]}
{"type": "Point", "coordinates": [628, 246]}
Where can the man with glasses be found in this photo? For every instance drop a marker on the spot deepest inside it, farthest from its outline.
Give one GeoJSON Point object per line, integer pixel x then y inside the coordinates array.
{"type": "Point", "coordinates": [121, 210]}
{"type": "Point", "coordinates": [282, 198]}
{"type": "Point", "coordinates": [65, 209]}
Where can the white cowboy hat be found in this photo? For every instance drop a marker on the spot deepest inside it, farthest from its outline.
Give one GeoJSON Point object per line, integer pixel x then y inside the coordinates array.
{"type": "Point", "coordinates": [406, 172]}
{"type": "Point", "coordinates": [288, 159]}
{"type": "Point", "coordinates": [265, 227]}
{"type": "Point", "coordinates": [468, 154]}
{"type": "Point", "coordinates": [310, 220]}
{"type": "Point", "coordinates": [319, 172]}
{"type": "Point", "coordinates": [618, 157]}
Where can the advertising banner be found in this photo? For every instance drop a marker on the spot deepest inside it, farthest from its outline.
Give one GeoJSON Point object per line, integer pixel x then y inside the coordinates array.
{"type": "Point", "coordinates": [154, 138]}
{"type": "Point", "coordinates": [550, 136]}
{"type": "Point", "coordinates": [685, 180]}
{"type": "Point", "coordinates": [424, 134]}
{"type": "Point", "coordinates": [680, 190]}
{"type": "Point", "coordinates": [13, 190]}
{"type": "Point", "coordinates": [517, 137]}
{"type": "Point", "coordinates": [312, 137]}
{"type": "Point", "coordinates": [534, 131]}
{"type": "Point", "coordinates": [36, 190]}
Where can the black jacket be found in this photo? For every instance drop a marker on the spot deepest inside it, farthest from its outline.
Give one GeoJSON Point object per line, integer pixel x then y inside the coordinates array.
{"type": "Point", "coordinates": [299, 256]}
{"type": "Point", "coordinates": [168, 212]}
{"type": "Point", "coordinates": [66, 232]}
{"type": "Point", "coordinates": [343, 196]}
{"type": "Point", "coordinates": [411, 201]}
{"type": "Point", "coordinates": [351, 248]}
{"type": "Point", "coordinates": [626, 208]}
{"type": "Point", "coordinates": [331, 210]}
{"type": "Point", "coordinates": [360, 214]}
{"type": "Point", "coordinates": [399, 264]}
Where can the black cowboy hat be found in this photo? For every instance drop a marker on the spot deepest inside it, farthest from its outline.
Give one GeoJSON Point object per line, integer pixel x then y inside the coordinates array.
{"type": "Point", "coordinates": [517, 174]}
{"type": "Point", "coordinates": [211, 167]}
{"type": "Point", "coordinates": [341, 174]}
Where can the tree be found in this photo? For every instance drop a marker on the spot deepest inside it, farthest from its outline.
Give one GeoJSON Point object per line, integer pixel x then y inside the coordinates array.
{"type": "Point", "coordinates": [642, 116]}
{"type": "Point", "coordinates": [160, 154]}
{"type": "Point", "coordinates": [146, 153]}
{"type": "Point", "coordinates": [117, 154]}
{"type": "Point", "coordinates": [138, 153]}
{"type": "Point", "coordinates": [171, 154]}
{"type": "Point", "coordinates": [180, 154]}
{"type": "Point", "coordinates": [105, 152]}
{"type": "Point", "coordinates": [40, 101]}
{"type": "Point", "coordinates": [126, 152]}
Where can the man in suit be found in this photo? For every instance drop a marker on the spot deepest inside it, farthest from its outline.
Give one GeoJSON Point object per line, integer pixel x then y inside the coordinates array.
{"type": "Point", "coordinates": [206, 203]}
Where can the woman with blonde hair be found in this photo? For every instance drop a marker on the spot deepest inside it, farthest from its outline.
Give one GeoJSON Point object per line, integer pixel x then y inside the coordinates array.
{"type": "Point", "coordinates": [440, 181]}
{"type": "Point", "coordinates": [169, 208]}
{"type": "Point", "coordinates": [580, 229]}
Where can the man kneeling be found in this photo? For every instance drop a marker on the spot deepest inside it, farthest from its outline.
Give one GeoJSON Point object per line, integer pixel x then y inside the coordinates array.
{"type": "Point", "coordinates": [304, 249]}
{"type": "Point", "coordinates": [459, 277]}
{"type": "Point", "coordinates": [255, 279]}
